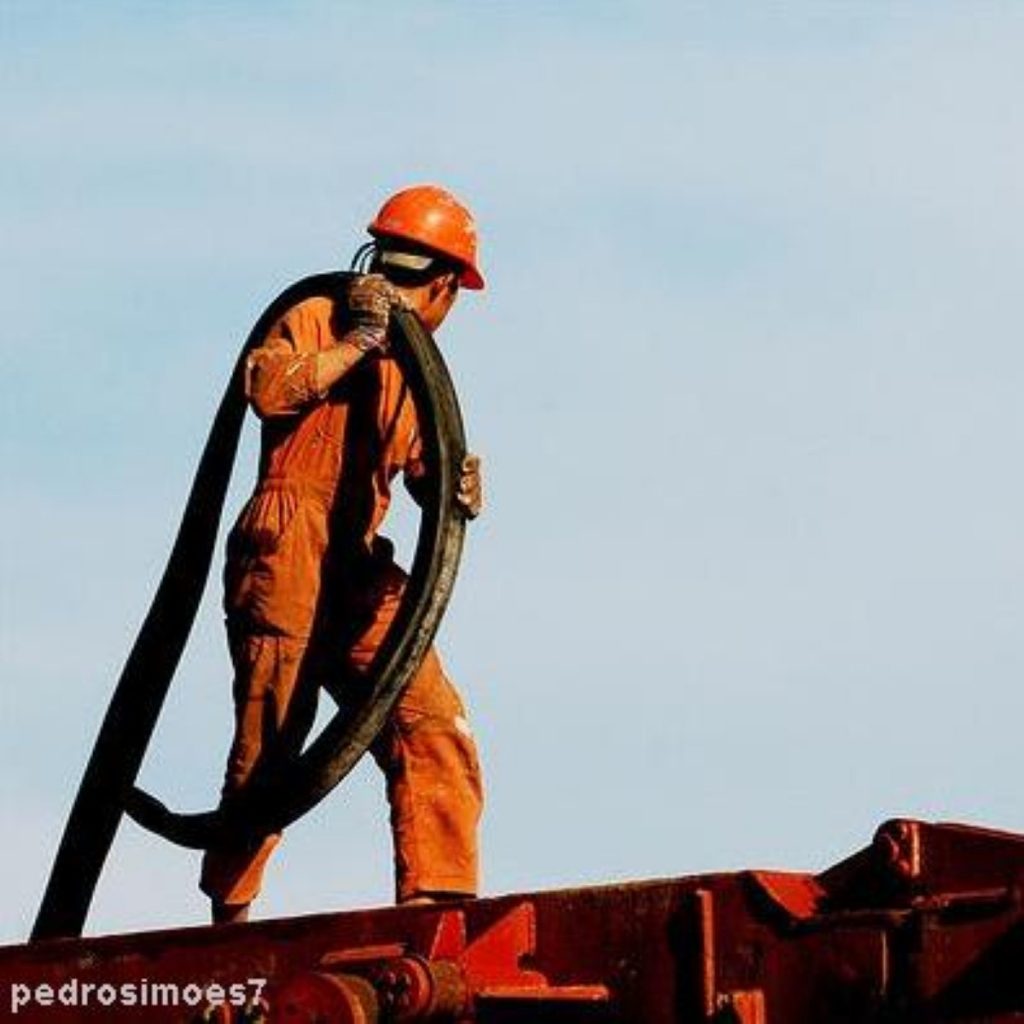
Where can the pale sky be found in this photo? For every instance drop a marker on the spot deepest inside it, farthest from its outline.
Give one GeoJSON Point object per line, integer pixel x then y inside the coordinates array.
{"type": "Point", "coordinates": [745, 382]}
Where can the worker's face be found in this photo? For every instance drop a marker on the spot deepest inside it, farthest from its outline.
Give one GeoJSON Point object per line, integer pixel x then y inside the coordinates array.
{"type": "Point", "coordinates": [432, 301]}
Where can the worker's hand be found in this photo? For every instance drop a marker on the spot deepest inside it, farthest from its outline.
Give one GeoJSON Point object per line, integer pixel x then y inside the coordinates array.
{"type": "Point", "coordinates": [369, 300]}
{"type": "Point", "coordinates": [470, 496]}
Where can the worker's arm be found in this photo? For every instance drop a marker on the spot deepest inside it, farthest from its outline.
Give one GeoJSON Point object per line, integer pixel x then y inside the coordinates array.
{"type": "Point", "coordinates": [302, 358]}
{"type": "Point", "coordinates": [281, 381]}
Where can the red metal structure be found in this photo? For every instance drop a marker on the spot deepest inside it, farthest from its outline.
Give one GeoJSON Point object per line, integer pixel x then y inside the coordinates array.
{"type": "Point", "coordinates": [924, 924]}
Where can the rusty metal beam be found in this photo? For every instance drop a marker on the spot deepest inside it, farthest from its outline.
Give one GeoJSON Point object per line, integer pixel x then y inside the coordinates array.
{"type": "Point", "coordinates": [861, 942]}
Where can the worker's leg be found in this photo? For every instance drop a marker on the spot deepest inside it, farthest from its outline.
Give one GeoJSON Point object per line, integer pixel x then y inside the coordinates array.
{"type": "Point", "coordinates": [273, 714]}
{"type": "Point", "coordinates": [430, 763]}
{"type": "Point", "coordinates": [434, 788]}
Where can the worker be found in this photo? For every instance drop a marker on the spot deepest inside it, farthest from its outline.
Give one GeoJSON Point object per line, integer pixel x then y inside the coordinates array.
{"type": "Point", "coordinates": [311, 587]}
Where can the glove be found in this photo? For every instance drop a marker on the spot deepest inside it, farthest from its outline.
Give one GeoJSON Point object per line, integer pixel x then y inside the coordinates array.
{"type": "Point", "coordinates": [470, 496]}
{"type": "Point", "coordinates": [369, 300]}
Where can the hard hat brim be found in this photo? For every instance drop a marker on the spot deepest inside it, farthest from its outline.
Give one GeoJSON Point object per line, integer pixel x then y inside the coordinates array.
{"type": "Point", "coordinates": [471, 278]}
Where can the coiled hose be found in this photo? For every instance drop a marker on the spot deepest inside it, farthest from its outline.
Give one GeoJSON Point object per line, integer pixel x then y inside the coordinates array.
{"type": "Point", "coordinates": [108, 790]}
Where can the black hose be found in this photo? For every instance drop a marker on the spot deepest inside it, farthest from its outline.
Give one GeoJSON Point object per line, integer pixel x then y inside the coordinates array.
{"type": "Point", "coordinates": [107, 788]}
{"type": "Point", "coordinates": [271, 804]}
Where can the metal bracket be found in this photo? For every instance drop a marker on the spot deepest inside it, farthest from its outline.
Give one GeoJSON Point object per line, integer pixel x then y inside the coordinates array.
{"type": "Point", "coordinates": [450, 977]}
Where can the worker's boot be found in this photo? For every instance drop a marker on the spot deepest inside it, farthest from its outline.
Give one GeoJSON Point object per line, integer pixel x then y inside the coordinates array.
{"type": "Point", "coordinates": [229, 913]}
{"type": "Point", "coordinates": [418, 899]}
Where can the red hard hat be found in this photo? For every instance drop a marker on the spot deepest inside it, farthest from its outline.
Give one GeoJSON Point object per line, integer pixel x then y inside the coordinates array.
{"type": "Point", "coordinates": [431, 216]}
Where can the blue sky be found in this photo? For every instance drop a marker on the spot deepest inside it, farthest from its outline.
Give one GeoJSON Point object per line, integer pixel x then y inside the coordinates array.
{"type": "Point", "coordinates": [745, 380]}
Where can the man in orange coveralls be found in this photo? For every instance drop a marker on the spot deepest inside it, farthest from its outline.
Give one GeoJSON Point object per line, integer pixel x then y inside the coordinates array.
{"type": "Point", "coordinates": [304, 559]}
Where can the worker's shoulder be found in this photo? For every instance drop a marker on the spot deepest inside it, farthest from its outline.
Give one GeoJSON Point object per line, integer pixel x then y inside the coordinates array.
{"type": "Point", "coordinates": [314, 316]}
{"type": "Point", "coordinates": [314, 307]}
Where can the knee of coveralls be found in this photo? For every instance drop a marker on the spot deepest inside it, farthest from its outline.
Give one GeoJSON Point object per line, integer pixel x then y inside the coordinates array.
{"type": "Point", "coordinates": [430, 763]}
{"type": "Point", "coordinates": [275, 706]}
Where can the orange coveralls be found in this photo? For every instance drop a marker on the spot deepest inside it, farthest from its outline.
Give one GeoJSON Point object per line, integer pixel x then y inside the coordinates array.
{"type": "Point", "coordinates": [310, 590]}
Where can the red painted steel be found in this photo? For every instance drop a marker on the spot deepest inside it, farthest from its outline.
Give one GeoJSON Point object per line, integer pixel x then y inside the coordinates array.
{"type": "Point", "coordinates": [923, 924]}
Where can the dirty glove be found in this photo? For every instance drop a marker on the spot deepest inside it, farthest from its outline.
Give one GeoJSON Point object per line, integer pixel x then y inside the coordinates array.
{"type": "Point", "coordinates": [470, 496]}
{"type": "Point", "coordinates": [369, 300]}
